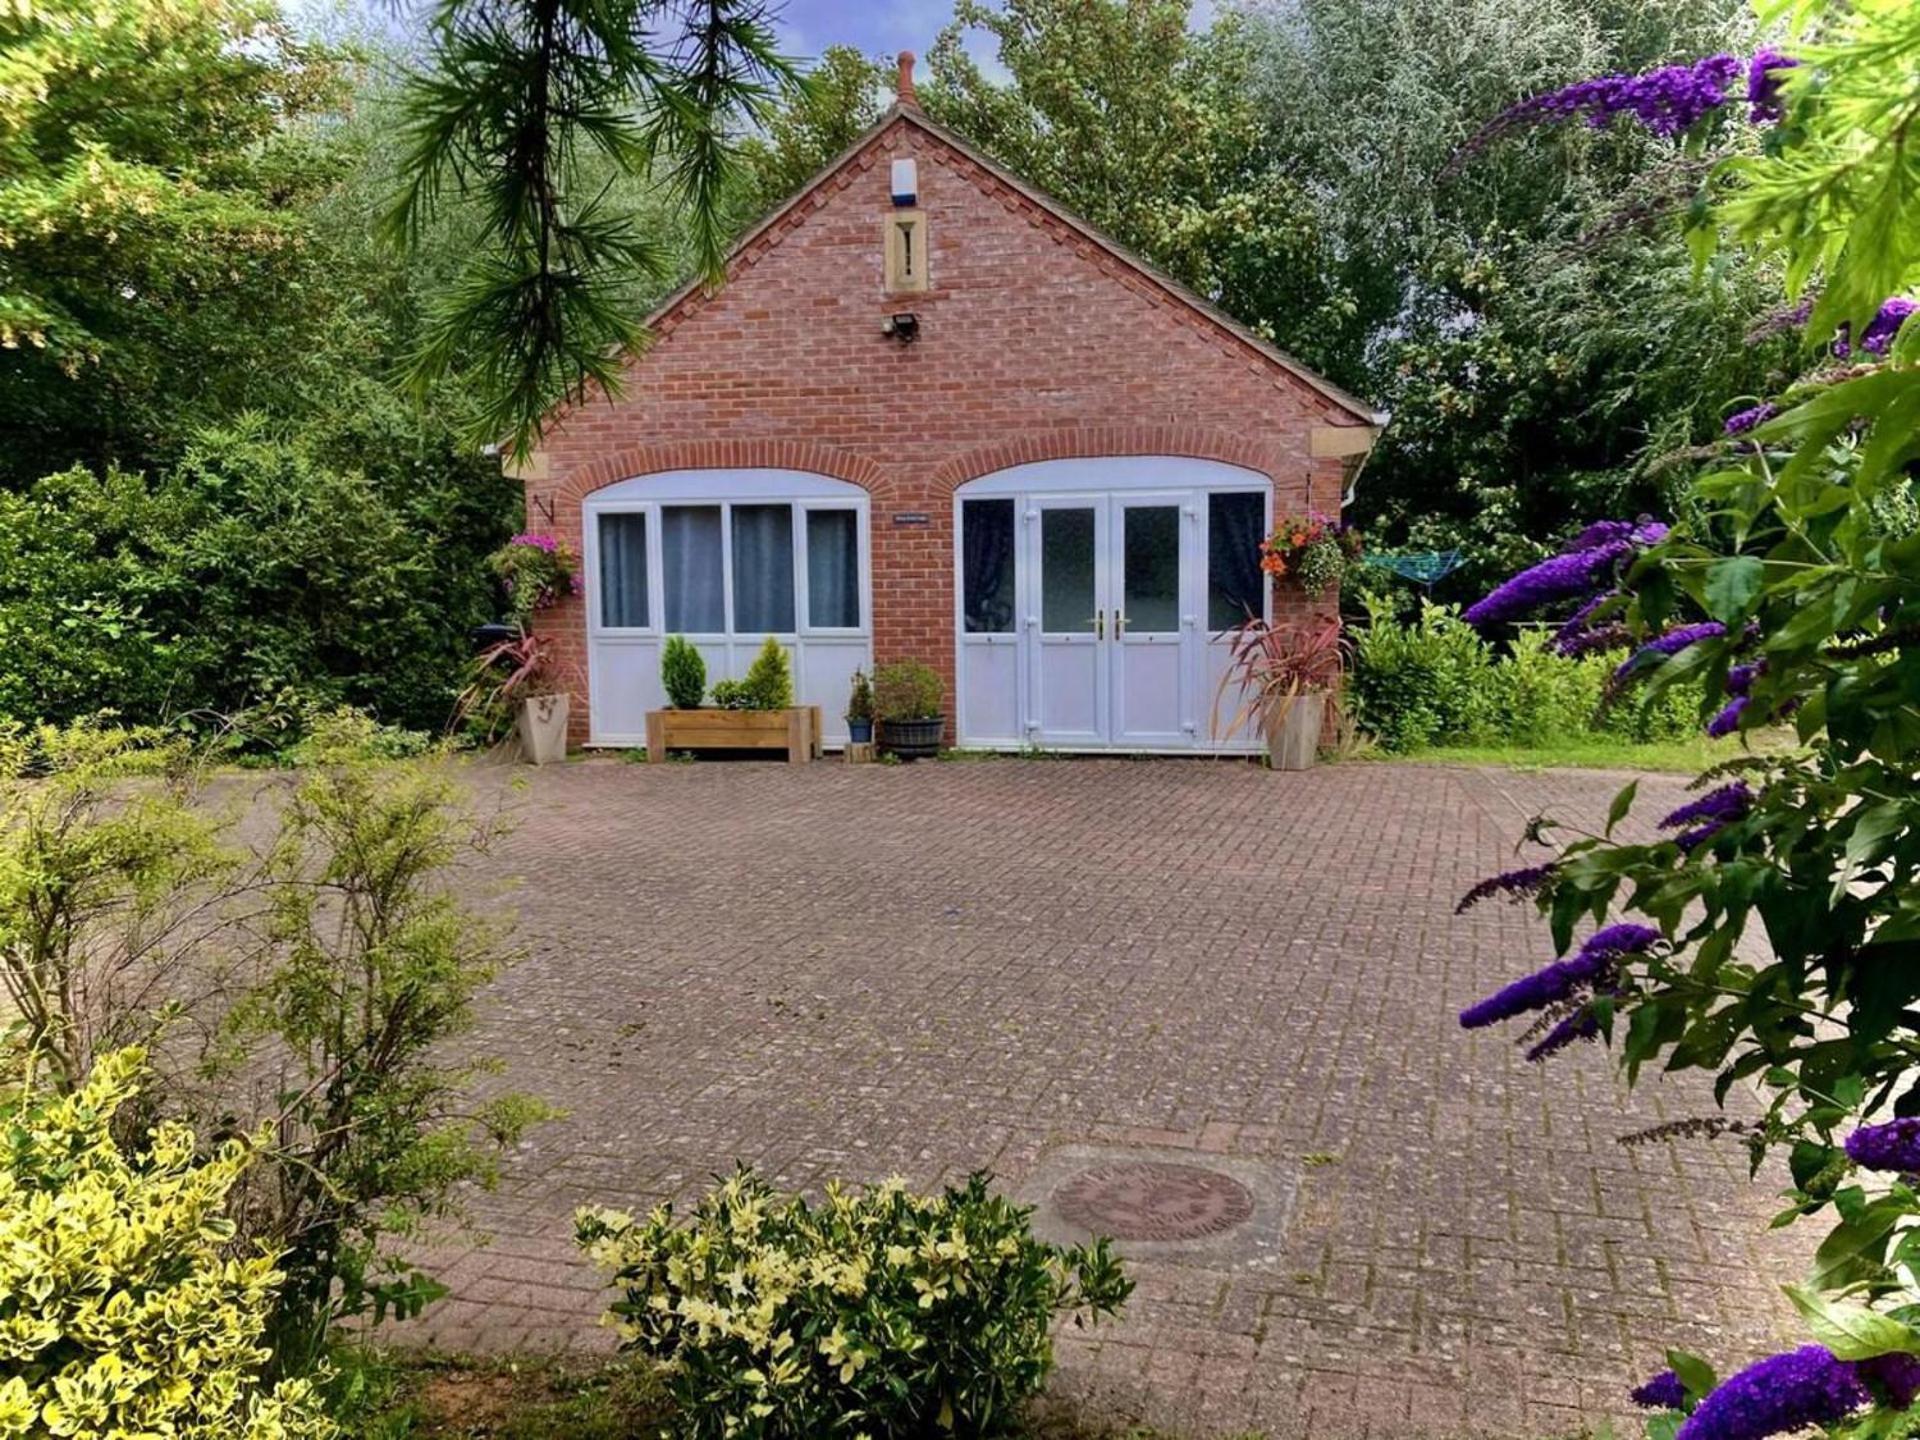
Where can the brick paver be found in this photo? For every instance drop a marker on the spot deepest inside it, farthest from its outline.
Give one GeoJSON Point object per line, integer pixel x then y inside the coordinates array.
{"type": "Point", "coordinates": [855, 971]}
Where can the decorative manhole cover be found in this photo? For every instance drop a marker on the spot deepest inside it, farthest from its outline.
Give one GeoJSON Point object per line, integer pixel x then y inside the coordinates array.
{"type": "Point", "coordinates": [1154, 1200]}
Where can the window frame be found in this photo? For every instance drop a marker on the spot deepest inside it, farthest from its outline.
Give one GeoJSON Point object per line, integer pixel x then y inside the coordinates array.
{"type": "Point", "coordinates": [656, 568]}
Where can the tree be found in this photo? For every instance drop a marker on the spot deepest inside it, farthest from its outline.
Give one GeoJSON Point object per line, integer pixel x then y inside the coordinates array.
{"type": "Point", "coordinates": [522, 106]}
{"type": "Point", "coordinates": [844, 95]}
{"type": "Point", "coordinates": [1539, 344]}
{"type": "Point", "coordinates": [152, 169]}
{"type": "Point", "coordinates": [1151, 132]}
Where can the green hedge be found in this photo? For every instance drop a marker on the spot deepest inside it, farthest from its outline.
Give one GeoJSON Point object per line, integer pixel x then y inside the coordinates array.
{"type": "Point", "coordinates": [1433, 681]}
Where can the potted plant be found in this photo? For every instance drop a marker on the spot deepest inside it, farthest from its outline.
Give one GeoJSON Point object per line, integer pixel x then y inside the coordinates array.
{"type": "Point", "coordinates": [514, 686]}
{"type": "Point", "coordinates": [907, 704]}
{"type": "Point", "coordinates": [536, 571]}
{"type": "Point", "coordinates": [1313, 548]}
{"type": "Point", "coordinates": [860, 710]}
{"type": "Point", "coordinates": [1285, 675]}
{"type": "Point", "coordinates": [683, 673]}
{"type": "Point", "coordinates": [753, 713]}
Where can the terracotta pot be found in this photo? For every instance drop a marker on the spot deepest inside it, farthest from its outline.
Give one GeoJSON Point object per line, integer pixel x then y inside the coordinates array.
{"type": "Point", "coordinates": [1294, 730]}
{"type": "Point", "coordinates": [543, 729]}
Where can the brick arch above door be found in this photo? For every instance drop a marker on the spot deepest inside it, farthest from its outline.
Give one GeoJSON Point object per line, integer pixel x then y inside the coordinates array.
{"type": "Point", "coordinates": [1279, 463]}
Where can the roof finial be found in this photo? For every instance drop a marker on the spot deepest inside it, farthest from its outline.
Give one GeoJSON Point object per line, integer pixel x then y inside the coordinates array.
{"type": "Point", "coordinates": [903, 89]}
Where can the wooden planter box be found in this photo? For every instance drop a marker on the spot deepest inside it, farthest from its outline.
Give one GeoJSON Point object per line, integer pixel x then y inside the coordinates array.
{"type": "Point", "coordinates": [795, 730]}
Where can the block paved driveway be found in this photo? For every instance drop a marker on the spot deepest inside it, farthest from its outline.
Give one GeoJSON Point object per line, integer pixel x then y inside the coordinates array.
{"type": "Point", "coordinates": [855, 971]}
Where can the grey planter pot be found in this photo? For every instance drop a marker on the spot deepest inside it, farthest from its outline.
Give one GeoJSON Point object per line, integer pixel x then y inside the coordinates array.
{"type": "Point", "coordinates": [543, 729]}
{"type": "Point", "coordinates": [1293, 733]}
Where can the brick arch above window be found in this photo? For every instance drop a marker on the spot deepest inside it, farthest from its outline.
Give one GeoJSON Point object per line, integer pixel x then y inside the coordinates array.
{"type": "Point", "coordinates": [635, 461]}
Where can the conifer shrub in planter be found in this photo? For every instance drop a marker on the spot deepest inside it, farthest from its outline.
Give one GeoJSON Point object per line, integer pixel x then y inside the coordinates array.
{"type": "Point", "coordinates": [683, 673]}
{"type": "Point", "coordinates": [860, 710]}
{"type": "Point", "coordinates": [753, 713]}
{"type": "Point", "coordinates": [878, 1312]}
{"type": "Point", "coordinates": [907, 705]}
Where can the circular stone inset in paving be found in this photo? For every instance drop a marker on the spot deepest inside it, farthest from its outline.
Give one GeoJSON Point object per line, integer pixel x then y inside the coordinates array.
{"type": "Point", "coordinates": [1154, 1200]}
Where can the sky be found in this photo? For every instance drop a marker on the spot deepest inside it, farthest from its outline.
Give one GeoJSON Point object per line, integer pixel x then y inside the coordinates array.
{"type": "Point", "coordinates": [877, 27]}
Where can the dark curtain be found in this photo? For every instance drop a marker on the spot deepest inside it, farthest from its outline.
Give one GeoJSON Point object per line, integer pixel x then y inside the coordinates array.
{"type": "Point", "coordinates": [986, 543]}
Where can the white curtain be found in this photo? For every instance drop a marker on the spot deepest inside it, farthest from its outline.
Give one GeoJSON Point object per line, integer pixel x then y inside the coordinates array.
{"type": "Point", "coordinates": [763, 570]}
{"type": "Point", "coordinates": [690, 562]}
{"type": "Point", "coordinates": [833, 569]}
{"type": "Point", "coordinates": [623, 570]}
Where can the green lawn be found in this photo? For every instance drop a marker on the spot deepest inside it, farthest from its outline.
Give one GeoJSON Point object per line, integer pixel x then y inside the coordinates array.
{"type": "Point", "coordinates": [1680, 757]}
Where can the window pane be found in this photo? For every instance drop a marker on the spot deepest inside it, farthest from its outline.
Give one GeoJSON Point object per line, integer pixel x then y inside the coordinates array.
{"type": "Point", "coordinates": [623, 570]}
{"type": "Point", "coordinates": [987, 561]}
{"type": "Point", "coordinates": [690, 565]}
{"type": "Point", "coordinates": [762, 569]}
{"type": "Point", "coordinates": [1152, 568]}
{"type": "Point", "coordinates": [1066, 571]}
{"type": "Point", "coordinates": [833, 569]}
{"type": "Point", "coordinates": [1234, 531]}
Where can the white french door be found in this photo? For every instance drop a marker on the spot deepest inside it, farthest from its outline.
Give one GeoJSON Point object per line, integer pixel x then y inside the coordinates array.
{"type": "Point", "coordinates": [1108, 633]}
{"type": "Point", "coordinates": [1092, 597]}
{"type": "Point", "coordinates": [1068, 546]}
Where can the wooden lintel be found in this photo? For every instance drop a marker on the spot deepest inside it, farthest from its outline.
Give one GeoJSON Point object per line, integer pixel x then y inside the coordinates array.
{"type": "Point", "coordinates": [1334, 440]}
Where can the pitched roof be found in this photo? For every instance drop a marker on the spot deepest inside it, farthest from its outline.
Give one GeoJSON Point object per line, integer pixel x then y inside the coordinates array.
{"type": "Point", "coordinates": [675, 306]}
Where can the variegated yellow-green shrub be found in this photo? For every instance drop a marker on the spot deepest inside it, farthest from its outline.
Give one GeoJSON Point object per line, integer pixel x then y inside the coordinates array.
{"type": "Point", "coordinates": [878, 1313]}
{"type": "Point", "coordinates": [122, 1317]}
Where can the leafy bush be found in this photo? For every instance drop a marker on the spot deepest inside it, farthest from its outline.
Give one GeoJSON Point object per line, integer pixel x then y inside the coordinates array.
{"type": "Point", "coordinates": [1424, 683]}
{"type": "Point", "coordinates": [769, 682]}
{"type": "Point", "coordinates": [1436, 682]}
{"type": "Point", "coordinates": [907, 690]}
{"type": "Point", "coordinates": [732, 695]}
{"type": "Point", "coordinates": [125, 1313]}
{"type": "Point", "coordinates": [374, 967]}
{"type": "Point", "coordinates": [881, 1313]}
{"type": "Point", "coordinates": [253, 568]}
{"type": "Point", "coordinates": [683, 673]}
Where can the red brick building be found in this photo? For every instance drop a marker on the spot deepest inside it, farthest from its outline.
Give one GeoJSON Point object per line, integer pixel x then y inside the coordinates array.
{"type": "Point", "coordinates": [932, 415]}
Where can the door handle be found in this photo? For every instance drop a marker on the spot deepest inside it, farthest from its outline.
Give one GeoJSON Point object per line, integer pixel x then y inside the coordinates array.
{"type": "Point", "coordinates": [1099, 618]}
{"type": "Point", "coordinates": [1119, 626]}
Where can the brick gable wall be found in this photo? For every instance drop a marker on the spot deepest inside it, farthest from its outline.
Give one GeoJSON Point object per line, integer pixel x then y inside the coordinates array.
{"type": "Point", "coordinates": [1035, 344]}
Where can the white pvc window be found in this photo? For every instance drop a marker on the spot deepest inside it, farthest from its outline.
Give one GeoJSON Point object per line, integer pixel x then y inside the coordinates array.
{"type": "Point", "coordinates": [729, 569]}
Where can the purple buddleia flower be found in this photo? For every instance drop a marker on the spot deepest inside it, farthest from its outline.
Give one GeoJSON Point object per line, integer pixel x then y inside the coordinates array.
{"type": "Point", "coordinates": [1563, 979]}
{"type": "Point", "coordinates": [1644, 531]}
{"type": "Point", "coordinates": [1897, 1377]}
{"type": "Point", "coordinates": [1780, 1394]}
{"type": "Point", "coordinates": [1741, 421]}
{"type": "Point", "coordinates": [1671, 643]}
{"type": "Point", "coordinates": [1893, 1146]}
{"type": "Point", "coordinates": [1514, 884]}
{"type": "Point", "coordinates": [1667, 101]}
{"type": "Point", "coordinates": [1763, 84]}
{"type": "Point", "coordinates": [1880, 330]}
{"type": "Point", "coordinates": [1728, 720]}
{"type": "Point", "coordinates": [1569, 638]}
{"type": "Point", "coordinates": [1601, 637]}
{"type": "Point", "coordinates": [1663, 1392]}
{"type": "Point", "coordinates": [1710, 814]}
{"type": "Point", "coordinates": [1561, 578]}
{"type": "Point", "coordinates": [1740, 678]}
{"type": "Point", "coordinates": [1581, 1025]}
